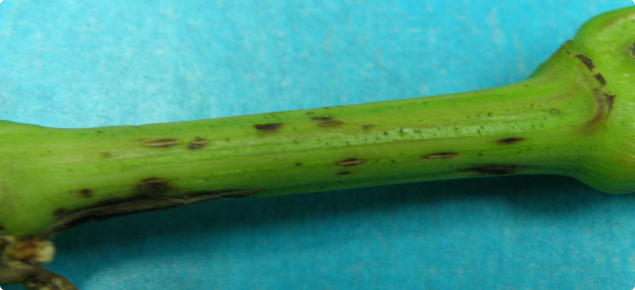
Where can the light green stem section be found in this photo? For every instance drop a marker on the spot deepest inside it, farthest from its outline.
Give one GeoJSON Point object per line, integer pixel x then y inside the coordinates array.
{"type": "Point", "coordinates": [553, 123]}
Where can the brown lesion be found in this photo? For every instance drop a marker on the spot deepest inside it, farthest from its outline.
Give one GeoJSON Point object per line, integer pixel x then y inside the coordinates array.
{"type": "Point", "coordinates": [511, 140]}
{"type": "Point", "coordinates": [343, 173]}
{"type": "Point", "coordinates": [153, 186]}
{"type": "Point", "coordinates": [137, 204]}
{"type": "Point", "coordinates": [198, 143]}
{"type": "Point", "coordinates": [322, 118]}
{"type": "Point", "coordinates": [350, 162]}
{"type": "Point", "coordinates": [444, 155]}
{"type": "Point", "coordinates": [270, 127]}
{"type": "Point", "coordinates": [330, 123]}
{"type": "Point", "coordinates": [603, 99]}
{"type": "Point", "coordinates": [162, 143]}
{"type": "Point", "coordinates": [85, 193]}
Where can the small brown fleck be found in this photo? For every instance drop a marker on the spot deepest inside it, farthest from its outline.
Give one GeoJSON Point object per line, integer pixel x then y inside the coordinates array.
{"type": "Point", "coordinates": [496, 169]}
{"type": "Point", "coordinates": [510, 140]}
{"type": "Point", "coordinates": [600, 79]}
{"type": "Point", "coordinates": [631, 51]}
{"type": "Point", "coordinates": [271, 127]}
{"type": "Point", "coordinates": [322, 118]}
{"type": "Point", "coordinates": [153, 185]}
{"type": "Point", "coordinates": [86, 193]}
{"type": "Point", "coordinates": [162, 143]}
{"type": "Point", "coordinates": [330, 123]}
{"type": "Point", "coordinates": [366, 127]}
{"type": "Point", "coordinates": [105, 155]}
{"type": "Point", "coordinates": [59, 212]}
{"type": "Point", "coordinates": [440, 156]}
{"type": "Point", "coordinates": [310, 113]}
{"type": "Point", "coordinates": [298, 164]}
{"type": "Point", "coordinates": [343, 173]}
{"type": "Point", "coordinates": [198, 143]}
{"type": "Point", "coordinates": [350, 162]}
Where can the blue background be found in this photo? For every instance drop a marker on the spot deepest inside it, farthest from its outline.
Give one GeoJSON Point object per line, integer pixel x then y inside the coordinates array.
{"type": "Point", "coordinates": [75, 63]}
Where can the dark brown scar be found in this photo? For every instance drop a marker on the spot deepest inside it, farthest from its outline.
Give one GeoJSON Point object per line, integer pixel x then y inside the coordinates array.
{"type": "Point", "coordinates": [271, 127]}
{"type": "Point", "coordinates": [198, 143]}
{"type": "Point", "coordinates": [510, 140]}
{"type": "Point", "coordinates": [86, 193]}
{"type": "Point", "coordinates": [322, 118]}
{"type": "Point", "coordinates": [152, 185]}
{"type": "Point", "coordinates": [600, 79]}
{"type": "Point", "coordinates": [599, 100]}
{"type": "Point", "coordinates": [344, 173]}
{"type": "Point", "coordinates": [586, 61]}
{"type": "Point", "coordinates": [496, 169]}
{"type": "Point", "coordinates": [350, 162]}
{"type": "Point", "coordinates": [162, 143]}
{"type": "Point", "coordinates": [330, 123]}
{"type": "Point", "coordinates": [120, 207]}
{"type": "Point", "coordinates": [440, 156]}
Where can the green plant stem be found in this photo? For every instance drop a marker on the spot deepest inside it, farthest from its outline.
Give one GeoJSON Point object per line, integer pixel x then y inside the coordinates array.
{"type": "Point", "coordinates": [533, 127]}
{"type": "Point", "coordinates": [572, 117]}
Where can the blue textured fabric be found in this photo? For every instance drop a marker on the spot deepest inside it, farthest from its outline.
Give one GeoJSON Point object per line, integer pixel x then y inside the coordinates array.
{"type": "Point", "coordinates": [74, 63]}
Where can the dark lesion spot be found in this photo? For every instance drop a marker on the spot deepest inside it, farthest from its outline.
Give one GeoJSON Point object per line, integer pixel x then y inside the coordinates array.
{"type": "Point", "coordinates": [609, 102]}
{"type": "Point", "coordinates": [310, 113]}
{"type": "Point", "coordinates": [586, 61]}
{"type": "Point", "coordinates": [496, 169]}
{"type": "Point", "coordinates": [322, 118]}
{"type": "Point", "coordinates": [105, 155]}
{"type": "Point", "coordinates": [152, 185]}
{"type": "Point", "coordinates": [85, 193]}
{"type": "Point", "coordinates": [631, 51]}
{"type": "Point", "coordinates": [511, 140]}
{"type": "Point", "coordinates": [600, 79]}
{"type": "Point", "coordinates": [366, 127]}
{"type": "Point", "coordinates": [330, 123]}
{"type": "Point", "coordinates": [271, 127]}
{"type": "Point", "coordinates": [343, 173]}
{"type": "Point", "coordinates": [350, 162]}
{"type": "Point", "coordinates": [59, 212]}
{"type": "Point", "coordinates": [162, 143]}
{"type": "Point", "coordinates": [298, 164]}
{"type": "Point", "coordinates": [443, 155]}
{"type": "Point", "coordinates": [197, 143]}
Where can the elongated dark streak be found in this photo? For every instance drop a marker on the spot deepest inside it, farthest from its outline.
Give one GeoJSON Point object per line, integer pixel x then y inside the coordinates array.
{"type": "Point", "coordinates": [271, 127]}
{"type": "Point", "coordinates": [440, 156]}
{"type": "Point", "coordinates": [162, 143]}
{"type": "Point", "coordinates": [350, 162]}
{"type": "Point", "coordinates": [510, 140]}
{"type": "Point", "coordinates": [121, 207]}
